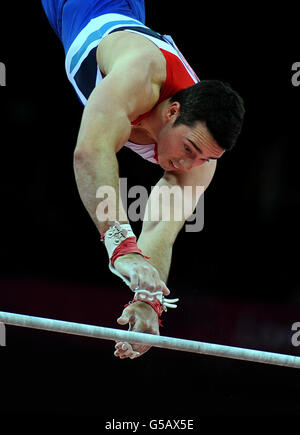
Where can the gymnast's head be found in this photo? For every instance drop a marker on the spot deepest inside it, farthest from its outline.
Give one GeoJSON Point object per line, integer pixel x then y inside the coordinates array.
{"type": "Point", "coordinates": [200, 123]}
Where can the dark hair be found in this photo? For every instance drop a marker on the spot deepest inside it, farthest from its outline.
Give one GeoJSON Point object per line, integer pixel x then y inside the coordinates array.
{"type": "Point", "coordinates": [216, 104]}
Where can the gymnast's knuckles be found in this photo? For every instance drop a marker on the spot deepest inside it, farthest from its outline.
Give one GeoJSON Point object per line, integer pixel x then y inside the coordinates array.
{"type": "Point", "coordinates": [140, 271]}
{"type": "Point", "coordinates": [142, 318]}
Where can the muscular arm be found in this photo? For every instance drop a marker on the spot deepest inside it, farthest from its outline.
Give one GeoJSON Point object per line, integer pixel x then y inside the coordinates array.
{"type": "Point", "coordinates": [126, 92]}
{"type": "Point", "coordinates": [157, 238]}
{"type": "Point", "coordinates": [95, 162]}
{"type": "Point", "coordinates": [130, 88]}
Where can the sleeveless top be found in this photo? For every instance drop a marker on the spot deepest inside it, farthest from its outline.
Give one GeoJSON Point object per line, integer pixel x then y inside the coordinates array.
{"type": "Point", "coordinates": [84, 73]}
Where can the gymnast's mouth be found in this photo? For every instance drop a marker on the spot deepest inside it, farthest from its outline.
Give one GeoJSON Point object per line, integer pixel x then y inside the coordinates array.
{"type": "Point", "coordinates": [173, 166]}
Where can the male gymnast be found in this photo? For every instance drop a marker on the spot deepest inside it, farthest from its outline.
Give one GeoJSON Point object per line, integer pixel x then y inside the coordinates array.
{"type": "Point", "coordinates": [139, 92]}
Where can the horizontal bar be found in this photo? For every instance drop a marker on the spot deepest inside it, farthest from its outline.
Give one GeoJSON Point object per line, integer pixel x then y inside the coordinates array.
{"type": "Point", "coordinates": [149, 339]}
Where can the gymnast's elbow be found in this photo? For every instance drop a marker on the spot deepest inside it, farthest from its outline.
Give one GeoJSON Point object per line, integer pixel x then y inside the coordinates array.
{"type": "Point", "coordinates": [86, 151]}
{"type": "Point", "coordinates": [83, 153]}
{"type": "Point", "coordinates": [101, 134]}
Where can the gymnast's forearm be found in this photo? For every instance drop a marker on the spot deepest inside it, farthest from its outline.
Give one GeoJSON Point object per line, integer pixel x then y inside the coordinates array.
{"type": "Point", "coordinates": [98, 168]}
{"type": "Point", "coordinates": [156, 241]}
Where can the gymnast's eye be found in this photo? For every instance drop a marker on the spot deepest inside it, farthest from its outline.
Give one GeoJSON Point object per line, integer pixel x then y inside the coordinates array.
{"type": "Point", "coordinates": [187, 148]}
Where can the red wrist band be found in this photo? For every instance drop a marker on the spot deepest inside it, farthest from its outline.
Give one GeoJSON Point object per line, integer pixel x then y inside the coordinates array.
{"type": "Point", "coordinates": [157, 306]}
{"type": "Point", "coordinates": [120, 240]}
{"type": "Point", "coordinates": [128, 246]}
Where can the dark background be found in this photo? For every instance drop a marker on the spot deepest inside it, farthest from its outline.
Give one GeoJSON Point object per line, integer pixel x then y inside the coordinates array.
{"type": "Point", "coordinates": [237, 280]}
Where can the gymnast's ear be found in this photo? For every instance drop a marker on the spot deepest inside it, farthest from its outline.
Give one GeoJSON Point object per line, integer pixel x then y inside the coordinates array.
{"type": "Point", "coordinates": [172, 111]}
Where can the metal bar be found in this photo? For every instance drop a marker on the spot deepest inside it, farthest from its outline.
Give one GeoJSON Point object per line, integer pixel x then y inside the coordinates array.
{"type": "Point", "coordinates": [149, 339]}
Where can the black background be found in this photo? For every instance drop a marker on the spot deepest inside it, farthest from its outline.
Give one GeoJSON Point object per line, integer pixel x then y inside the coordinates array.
{"type": "Point", "coordinates": [237, 280]}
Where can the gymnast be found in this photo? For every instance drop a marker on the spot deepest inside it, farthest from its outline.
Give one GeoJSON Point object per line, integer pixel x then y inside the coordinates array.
{"type": "Point", "coordinates": [139, 92]}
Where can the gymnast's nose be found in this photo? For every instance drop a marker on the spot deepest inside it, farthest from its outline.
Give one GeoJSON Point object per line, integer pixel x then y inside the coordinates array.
{"type": "Point", "coordinates": [186, 164]}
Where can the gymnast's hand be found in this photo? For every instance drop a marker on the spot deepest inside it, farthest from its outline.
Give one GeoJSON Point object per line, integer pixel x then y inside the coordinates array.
{"type": "Point", "coordinates": [141, 273]}
{"type": "Point", "coordinates": [140, 317]}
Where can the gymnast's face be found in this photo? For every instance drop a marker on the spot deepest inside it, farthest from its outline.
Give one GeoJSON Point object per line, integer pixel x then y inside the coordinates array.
{"type": "Point", "coordinates": [181, 148]}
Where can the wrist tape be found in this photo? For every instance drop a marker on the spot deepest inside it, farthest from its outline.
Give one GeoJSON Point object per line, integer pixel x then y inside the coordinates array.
{"type": "Point", "coordinates": [120, 240]}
